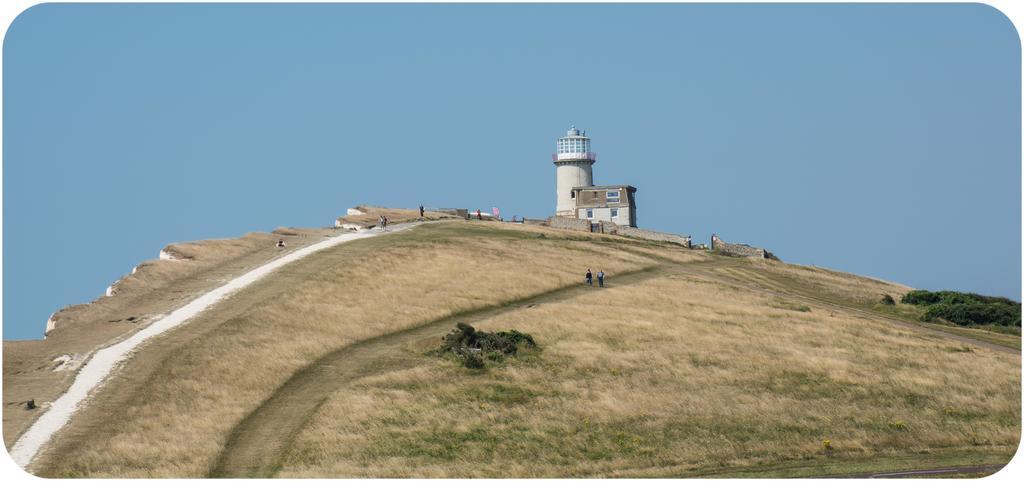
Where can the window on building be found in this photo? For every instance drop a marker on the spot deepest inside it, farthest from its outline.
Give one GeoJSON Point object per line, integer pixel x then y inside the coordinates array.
{"type": "Point", "coordinates": [613, 196]}
{"type": "Point", "coordinates": [615, 212]}
{"type": "Point", "coordinates": [572, 195]}
{"type": "Point", "coordinates": [590, 213]}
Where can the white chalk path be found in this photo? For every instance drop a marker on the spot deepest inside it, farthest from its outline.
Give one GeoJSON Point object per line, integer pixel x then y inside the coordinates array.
{"type": "Point", "coordinates": [105, 360]}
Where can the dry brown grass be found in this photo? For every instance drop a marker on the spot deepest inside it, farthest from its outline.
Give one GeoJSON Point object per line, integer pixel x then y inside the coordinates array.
{"type": "Point", "coordinates": [657, 378]}
{"type": "Point", "coordinates": [853, 288]}
{"type": "Point", "coordinates": [156, 287]}
{"type": "Point", "coordinates": [667, 376]}
{"type": "Point", "coordinates": [185, 403]}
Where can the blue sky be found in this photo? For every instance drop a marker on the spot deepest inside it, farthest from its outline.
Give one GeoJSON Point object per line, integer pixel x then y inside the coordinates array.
{"type": "Point", "coordinates": [877, 139]}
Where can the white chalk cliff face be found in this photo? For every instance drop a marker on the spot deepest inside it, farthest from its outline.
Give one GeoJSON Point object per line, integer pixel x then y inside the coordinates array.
{"type": "Point", "coordinates": [167, 256]}
{"type": "Point", "coordinates": [348, 226]}
{"type": "Point", "coordinates": [354, 211]}
{"type": "Point", "coordinates": [50, 325]}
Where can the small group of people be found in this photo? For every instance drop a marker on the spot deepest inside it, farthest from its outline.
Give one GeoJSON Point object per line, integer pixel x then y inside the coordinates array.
{"type": "Point", "coordinates": [590, 278]}
{"type": "Point", "coordinates": [382, 222]}
{"type": "Point", "coordinates": [280, 243]}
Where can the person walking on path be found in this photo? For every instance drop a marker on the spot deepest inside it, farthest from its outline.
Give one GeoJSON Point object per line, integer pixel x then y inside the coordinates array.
{"type": "Point", "coordinates": [590, 278]}
{"type": "Point", "coordinates": [421, 210]}
{"type": "Point", "coordinates": [385, 222]}
{"type": "Point", "coordinates": [600, 278]}
{"type": "Point", "coordinates": [380, 222]}
{"type": "Point", "coordinates": [478, 216]}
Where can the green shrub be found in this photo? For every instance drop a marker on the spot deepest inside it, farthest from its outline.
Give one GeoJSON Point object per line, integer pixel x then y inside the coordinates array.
{"type": "Point", "coordinates": [888, 300]}
{"type": "Point", "coordinates": [964, 308]}
{"type": "Point", "coordinates": [505, 342]}
{"type": "Point", "coordinates": [974, 313]}
{"type": "Point", "coordinates": [922, 298]}
{"type": "Point", "coordinates": [472, 360]}
{"type": "Point", "coordinates": [473, 347]}
{"type": "Point", "coordinates": [925, 298]}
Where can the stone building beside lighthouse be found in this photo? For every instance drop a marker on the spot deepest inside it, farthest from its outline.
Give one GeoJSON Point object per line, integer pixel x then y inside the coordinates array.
{"type": "Point", "coordinates": [578, 197]}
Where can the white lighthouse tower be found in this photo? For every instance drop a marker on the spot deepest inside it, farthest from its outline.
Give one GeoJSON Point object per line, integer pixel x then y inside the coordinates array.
{"type": "Point", "coordinates": [573, 168]}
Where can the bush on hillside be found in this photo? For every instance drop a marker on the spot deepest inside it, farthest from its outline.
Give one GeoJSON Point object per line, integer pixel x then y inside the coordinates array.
{"type": "Point", "coordinates": [888, 300]}
{"type": "Point", "coordinates": [473, 360]}
{"type": "Point", "coordinates": [472, 347]}
{"type": "Point", "coordinates": [921, 298]}
{"type": "Point", "coordinates": [964, 308]}
{"type": "Point", "coordinates": [974, 313]}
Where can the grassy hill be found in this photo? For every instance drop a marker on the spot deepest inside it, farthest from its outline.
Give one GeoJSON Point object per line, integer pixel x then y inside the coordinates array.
{"type": "Point", "coordinates": [687, 364]}
{"type": "Point", "coordinates": [42, 369]}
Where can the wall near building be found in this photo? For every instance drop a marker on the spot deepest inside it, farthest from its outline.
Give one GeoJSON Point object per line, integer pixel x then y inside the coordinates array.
{"type": "Point", "coordinates": [626, 231]}
{"type": "Point", "coordinates": [743, 250]}
{"type": "Point", "coordinates": [569, 223]}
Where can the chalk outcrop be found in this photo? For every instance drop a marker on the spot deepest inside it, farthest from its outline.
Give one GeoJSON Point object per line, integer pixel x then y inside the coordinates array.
{"type": "Point", "coordinates": [347, 225]}
{"type": "Point", "coordinates": [51, 324]}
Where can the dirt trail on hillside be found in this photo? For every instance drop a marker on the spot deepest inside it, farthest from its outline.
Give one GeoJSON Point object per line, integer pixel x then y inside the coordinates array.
{"type": "Point", "coordinates": [256, 446]}
{"type": "Point", "coordinates": [156, 288]}
{"type": "Point", "coordinates": [948, 472]}
{"type": "Point", "coordinates": [96, 370]}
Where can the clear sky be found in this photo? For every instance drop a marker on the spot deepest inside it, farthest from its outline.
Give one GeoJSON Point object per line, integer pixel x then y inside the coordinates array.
{"type": "Point", "coordinates": [882, 140]}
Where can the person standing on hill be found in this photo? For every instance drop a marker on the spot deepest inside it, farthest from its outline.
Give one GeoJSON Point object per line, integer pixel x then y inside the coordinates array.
{"type": "Point", "coordinates": [385, 223]}
{"type": "Point", "coordinates": [478, 216]}
{"type": "Point", "coordinates": [421, 211]}
{"type": "Point", "coordinates": [600, 278]}
{"type": "Point", "coordinates": [590, 278]}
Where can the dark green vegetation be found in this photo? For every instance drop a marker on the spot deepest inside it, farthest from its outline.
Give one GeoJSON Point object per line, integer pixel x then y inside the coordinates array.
{"type": "Point", "coordinates": [472, 347]}
{"type": "Point", "coordinates": [966, 309]}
